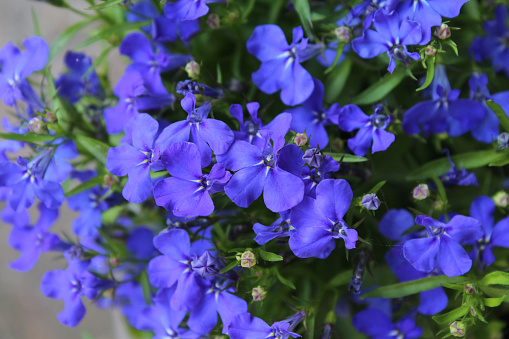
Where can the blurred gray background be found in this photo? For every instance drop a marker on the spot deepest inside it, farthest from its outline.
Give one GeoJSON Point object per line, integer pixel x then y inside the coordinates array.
{"type": "Point", "coordinates": [24, 312]}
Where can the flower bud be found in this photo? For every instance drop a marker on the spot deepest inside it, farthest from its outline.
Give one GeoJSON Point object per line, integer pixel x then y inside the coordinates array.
{"type": "Point", "coordinates": [430, 50]}
{"type": "Point", "coordinates": [300, 139]}
{"type": "Point", "coordinates": [503, 140]}
{"type": "Point", "coordinates": [205, 265]}
{"type": "Point", "coordinates": [213, 21]}
{"type": "Point", "coordinates": [50, 117]}
{"type": "Point", "coordinates": [501, 199]}
{"type": "Point", "coordinates": [469, 288]}
{"type": "Point", "coordinates": [343, 33]}
{"type": "Point", "coordinates": [258, 293]}
{"type": "Point", "coordinates": [443, 32]}
{"type": "Point", "coordinates": [313, 157]}
{"type": "Point", "coordinates": [248, 259]}
{"type": "Point", "coordinates": [36, 125]}
{"type": "Point", "coordinates": [457, 329]}
{"type": "Point", "coordinates": [108, 180]}
{"type": "Point", "coordinates": [370, 202]}
{"type": "Point", "coordinates": [193, 69]}
{"type": "Point", "coordinates": [421, 192]}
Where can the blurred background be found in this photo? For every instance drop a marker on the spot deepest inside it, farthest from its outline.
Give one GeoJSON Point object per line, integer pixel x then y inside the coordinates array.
{"type": "Point", "coordinates": [24, 312]}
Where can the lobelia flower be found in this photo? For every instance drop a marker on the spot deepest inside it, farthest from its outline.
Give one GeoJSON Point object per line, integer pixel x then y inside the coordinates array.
{"type": "Point", "coordinates": [263, 170]}
{"type": "Point", "coordinates": [245, 326]}
{"type": "Point", "coordinates": [69, 285]}
{"type": "Point", "coordinates": [281, 69]}
{"type": "Point", "coordinates": [175, 267]}
{"type": "Point", "coordinates": [252, 129]}
{"type": "Point", "coordinates": [391, 36]}
{"type": "Point", "coordinates": [319, 222]}
{"type": "Point", "coordinates": [187, 192]}
{"type": "Point", "coordinates": [375, 323]}
{"type": "Point", "coordinates": [182, 10]}
{"type": "Point", "coordinates": [138, 159]}
{"type": "Point", "coordinates": [371, 129]}
{"type": "Point", "coordinates": [312, 118]}
{"type": "Point", "coordinates": [77, 83]}
{"type": "Point", "coordinates": [458, 176]}
{"type": "Point", "coordinates": [442, 249]}
{"type": "Point", "coordinates": [370, 202]}
{"type": "Point", "coordinates": [150, 63]}
{"type": "Point", "coordinates": [497, 235]}
{"type": "Point", "coordinates": [27, 180]}
{"type": "Point", "coordinates": [193, 87]}
{"type": "Point", "coordinates": [133, 97]}
{"type": "Point", "coordinates": [281, 228]}
{"type": "Point", "coordinates": [200, 130]}
{"type": "Point", "coordinates": [366, 10]}
{"type": "Point", "coordinates": [428, 13]}
{"type": "Point", "coordinates": [31, 241]}
{"type": "Point", "coordinates": [17, 66]}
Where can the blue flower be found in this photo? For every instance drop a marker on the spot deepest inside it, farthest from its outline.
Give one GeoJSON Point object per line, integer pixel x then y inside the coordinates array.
{"type": "Point", "coordinates": [442, 247]}
{"type": "Point", "coordinates": [281, 69]}
{"type": "Point", "coordinates": [245, 326]}
{"type": "Point", "coordinates": [378, 325]}
{"type": "Point", "coordinates": [281, 228]}
{"type": "Point", "coordinates": [391, 36]}
{"type": "Point", "coordinates": [319, 223]}
{"type": "Point", "coordinates": [371, 129]}
{"type": "Point", "coordinates": [182, 10]}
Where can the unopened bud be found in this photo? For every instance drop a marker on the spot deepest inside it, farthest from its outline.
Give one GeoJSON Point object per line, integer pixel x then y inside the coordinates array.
{"type": "Point", "coordinates": [469, 288]}
{"type": "Point", "coordinates": [50, 117]}
{"type": "Point", "coordinates": [421, 192]}
{"type": "Point", "coordinates": [443, 32]}
{"type": "Point", "coordinates": [36, 125]}
{"type": "Point", "coordinates": [473, 312]}
{"type": "Point", "coordinates": [438, 205]}
{"type": "Point", "coordinates": [213, 21]}
{"type": "Point", "coordinates": [370, 202]}
{"type": "Point", "coordinates": [258, 293]}
{"type": "Point", "coordinates": [313, 157]}
{"type": "Point", "coordinates": [503, 140]}
{"type": "Point", "coordinates": [430, 50]}
{"type": "Point", "coordinates": [300, 139]}
{"type": "Point", "coordinates": [457, 329]}
{"type": "Point", "coordinates": [193, 69]}
{"type": "Point", "coordinates": [343, 33]}
{"type": "Point", "coordinates": [501, 199]}
{"type": "Point", "coordinates": [108, 180]}
{"type": "Point", "coordinates": [248, 259]}
{"type": "Point", "coordinates": [114, 262]}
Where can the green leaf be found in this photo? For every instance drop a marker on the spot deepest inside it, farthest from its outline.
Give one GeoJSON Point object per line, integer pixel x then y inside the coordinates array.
{"type": "Point", "coordinates": [86, 335]}
{"type": "Point", "coordinates": [502, 116]}
{"type": "Point", "coordinates": [37, 28]}
{"type": "Point", "coordinates": [106, 4]}
{"type": "Point", "coordinates": [145, 285]}
{"type": "Point", "coordinates": [495, 278]}
{"type": "Point", "coordinates": [430, 73]}
{"type": "Point", "coordinates": [501, 162]}
{"type": "Point", "coordinates": [283, 280]}
{"type": "Point", "coordinates": [99, 60]}
{"type": "Point", "coordinates": [441, 189]}
{"type": "Point", "coordinates": [381, 88]}
{"type": "Point", "coordinates": [494, 302]}
{"type": "Point", "coordinates": [453, 45]}
{"type": "Point", "coordinates": [342, 278]}
{"type": "Point", "coordinates": [302, 9]}
{"type": "Point", "coordinates": [413, 287]}
{"type": "Point", "coordinates": [63, 39]}
{"type": "Point", "coordinates": [96, 148]}
{"type": "Point", "coordinates": [269, 256]}
{"type": "Point", "coordinates": [108, 32]}
{"type": "Point", "coordinates": [346, 157]}
{"type": "Point", "coordinates": [339, 52]}
{"type": "Point", "coordinates": [336, 80]}
{"type": "Point", "coordinates": [30, 137]}
{"type": "Point", "coordinates": [377, 187]}
{"type": "Point", "coordinates": [445, 319]}
{"type": "Point", "coordinates": [230, 266]}
{"type": "Point", "coordinates": [219, 74]}
{"type": "Point", "coordinates": [86, 185]}
{"type": "Point", "coordinates": [468, 160]}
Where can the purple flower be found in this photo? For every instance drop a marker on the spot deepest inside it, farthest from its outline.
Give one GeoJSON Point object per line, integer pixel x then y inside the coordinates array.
{"type": "Point", "coordinates": [17, 66]}
{"type": "Point", "coordinates": [319, 222]}
{"type": "Point", "coordinates": [201, 129]}
{"type": "Point", "coordinates": [370, 202]}
{"type": "Point", "coordinates": [281, 228]}
{"type": "Point", "coordinates": [193, 87]}
{"type": "Point", "coordinates": [312, 118]}
{"type": "Point", "coordinates": [281, 69]}
{"type": "Point", "coordinates": [187, 192]}
{"type": "Point", "coordinates": [442, 247]}
{"type": "Point", "coordinates": [391, 36]}
{"type": "Point", "coordinates": [31, 241]}
{"type": "Point", "coordinates": [137, 160]}
{"type": "Point", "coordinates": [497, 235]}
{"type": "Point", "coordinates": [182, 10]}
{"type": "Point", "coordinates": [259, 171]}
{"type": "Point", "coordinates": [371, 129]}
{"type": "Point", "coordinates": [378, 325]}
{"type": "Point", "coordinates": [251, 130]}
{"type": "Point", "coordinates": [245, 326]}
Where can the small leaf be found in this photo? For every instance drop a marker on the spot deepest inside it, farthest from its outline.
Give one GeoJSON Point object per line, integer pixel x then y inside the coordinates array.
{"type": "Point", "coordinates": [339, 52]}
{"type": "Point", "coordinates": [430, 73]}
{"type": "Point", "coordinates": [29, 137]}
{"type": "Point", "coordinates": [95, 148]}
{"type": "Point", "coordinates": [342, 278]}
{"type": "Point", "coordinates": [346, 157]}
{"type": "Point", "coordinates": [219, 74]}
{"type": "Point", "coordinates": [502, 116]}
{"type": "Point", "coordinates": [445, 319]}
{"type": "Point", "coordinates": [37, 28]}
{"type": "Point", "coordinates": [145, 285]}
{"type": "Point", "coordinates": [453, 45]}
{"type": "Point", "coordinates": [495, 278]}
{"type": "Point", "coordinates": [63, 39]}
{"type": "Point", "coordinates": [501, 162]}
{"type": "Point", "coordinates": [302, 9]}
{"type": "Point", "coordinates": [283, 280]}
{"type": "Point", "coordinates": [412, 287]}
{"type": "Point", "coordinates": [377, 187]}
{"type": "Point", "coordinates": [230, 266]}
{"type": "Point", "coordinates": [269, 256]}
{"type": "Point", "coordinates": [380, 89]}
{"type": "Point", "coordinates": [86, 185]}
{"type": "Point", "coordinates": [106, 4]}
{"type": "Point", "coordinates": [494, 302]}
{"type": "Point", "coordinates": [86, 335]}
{"type": "Point", "coordinates": [336, 80]}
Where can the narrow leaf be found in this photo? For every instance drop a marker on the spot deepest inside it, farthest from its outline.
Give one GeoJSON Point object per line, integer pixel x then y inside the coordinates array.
{"type": "Point", "coordinates": [106, 4]}
{"type": "Point", "coordinates": [63, 39]}
{"type": "Point", "coordinates": [37, 28]}
{"type": "Point", "coordinates": [336, 80]}
{"type": "Point", "coordinates": [502, 116]}
{"type": "Point", "coordinates": [86, 185]}
{"type": "Point", "coordinates": [494, 302]}
{"type": "Point", "coordinates": [229, 266]}
{"type": "Point", "coordinates": [339, 52]}
{"type": "Point", "coordinates": [283, 280]}
{"type": "Point", "coordinates": [269, 256]}
{"type": "Point", "coordinates": [346, 157]}
{"type": "Point", "coordinates": [342, 278]}
{"type": "Point", "coordinates": [302, 9]}
{"type": "Point", "coordinates": [445, 319]}
{"type": "Point", "coordinates": [380, 89]}
{"type": "Point", "coordinates": [145, 285]}
{"type": "Point", "coordinates": [377, 187]}
{"type": "Point", "coordinates": [108, 32]}
{"type": "Point", "coordinates": [96, 148]}
{"type": "Point", "coordinates": [430, 73]}
{"type": "Point", "coordinates": [30, 137]}
{"type": "Point", "coordinates": [495, 278]}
